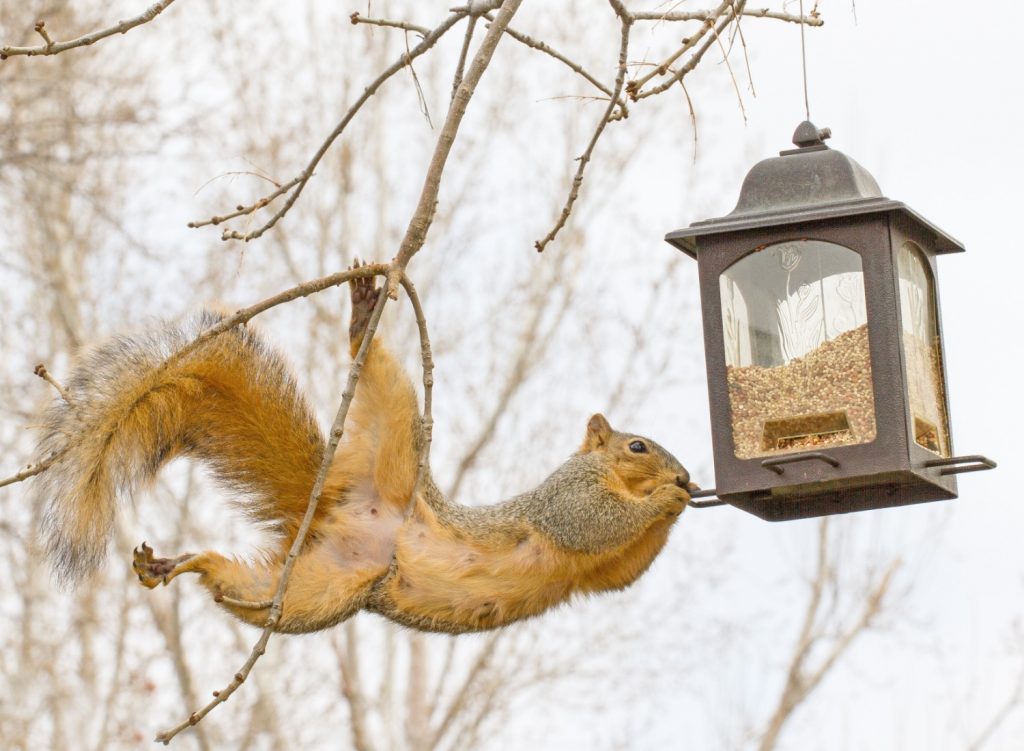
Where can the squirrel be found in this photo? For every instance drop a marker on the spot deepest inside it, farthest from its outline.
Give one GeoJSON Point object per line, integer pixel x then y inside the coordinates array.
{"type": "Point", "coordinates": [595, 524]}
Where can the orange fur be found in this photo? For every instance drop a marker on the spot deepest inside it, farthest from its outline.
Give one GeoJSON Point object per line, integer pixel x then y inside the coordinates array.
{"type": "Point", "coordinates": [461, 583]}
{"type": "Point", "coordinates": [596, 524]}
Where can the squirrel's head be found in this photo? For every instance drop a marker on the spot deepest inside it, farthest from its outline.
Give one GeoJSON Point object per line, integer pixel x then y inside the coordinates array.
{"type": "Point", "coordinates": [638, 463]}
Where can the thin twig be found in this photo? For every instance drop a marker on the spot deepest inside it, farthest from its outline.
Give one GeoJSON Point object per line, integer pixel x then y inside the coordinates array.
{"type": "Point", "coordinates": [41, 30]}
{"type": "Point", "coordinates": [420, 97]}
{"type": "Point", "coordinates": [417, 721]}
{"type": "Point", "coordinates": [445, 672]}
{"type": "Point", "coordinates": [41, 371]}
{"type": "Point", "coordinates": [54, 48]}
{"type": "Point", "coordinates": [32, 470]}
{"type": "Point", "coordinates": [728, 65]}
{"type": "Point", "coordinates": [872, 607]}
{"type": "Point", "coordinates": [693, 117]}
{"type": "Point", "coordinates": [419, 224]}
{"type": "Point", "coordinates": [356, 18]}
{"type": "Point", "coordinates": [801, 680]}
{"type": "Point", "coordinates": [116, 679]}
{"type": "Point", "coordinates": [692, 63]}
{"type": "Point", "coordinates": [429, 41]}
{"type": "Point", "coordinates": [252, 207]}
{"type": "Point", "coordinates": [703, 15]}
{"type": "Point", "coordinates": [477, 7]}
{"type": "Point", "coordinates": [301, 290]}
{"type": "Point", "coordinates": [666, 65]}
{"type": "Point", "coordinates": [337, 430]}
{"type": "Point", "coordinates": [427, 420]}
{"type": "Point", "coordinates": [351, 688]}
{"type": "Point", "coordinates": [746, 56]}
{"type": "Point", "coordinates": [516, 374]}
{"type": "Point", "coordinates": [547, 49]}
{"type": "Point", "coordinates": [457, 704]}
{"type": "Point", "coordinates": [1013, 701]}
{"type": "Point", "coordinates": [577, 179]}
{"type": "Point", "coordinates": [460, 67]}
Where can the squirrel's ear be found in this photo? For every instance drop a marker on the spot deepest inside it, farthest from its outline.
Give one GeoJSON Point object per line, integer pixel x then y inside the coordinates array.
{"type": "Point", "coordinates": [599, 432]}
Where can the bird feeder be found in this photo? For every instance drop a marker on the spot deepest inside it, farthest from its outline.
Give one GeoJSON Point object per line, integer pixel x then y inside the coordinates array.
{"type": "Point", "coordinates": [823, 339]}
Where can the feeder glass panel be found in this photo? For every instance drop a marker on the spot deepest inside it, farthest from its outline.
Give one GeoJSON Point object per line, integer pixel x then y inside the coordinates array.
{"type": "Point", "coordinates": [796, 349]}
{"type": "Point", "coordinates": [922, 350]}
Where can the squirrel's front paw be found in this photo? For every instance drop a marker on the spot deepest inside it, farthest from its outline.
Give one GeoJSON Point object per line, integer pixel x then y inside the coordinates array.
{"type": "Point", "coordinates": [670, 499]}
{"type": "Point", "coordinates": [152, 571]}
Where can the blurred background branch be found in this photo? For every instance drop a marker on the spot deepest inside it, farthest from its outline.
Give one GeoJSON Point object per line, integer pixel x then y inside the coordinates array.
{"type": "Point", "coordinates": [108, 151]}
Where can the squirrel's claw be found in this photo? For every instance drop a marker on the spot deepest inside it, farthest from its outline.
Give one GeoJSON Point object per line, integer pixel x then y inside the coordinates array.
{"type": "Point", "coordinates": [671, 499]}
{"type": "Point", "coordinates": [152, 571]}
{"type": "Point", "coordinates": [364, 297]}
{"type": "Point", "coordinates": [142, 560]}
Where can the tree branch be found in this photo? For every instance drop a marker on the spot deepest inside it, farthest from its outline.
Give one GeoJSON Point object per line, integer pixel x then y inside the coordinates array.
{"type": "Point", "coordinates": [801, 681]}
{"type": "Point", "coordinates": [416, 232]}
{"type": "Point", "coordinates": [427, 420]}
{"type": "Point", "coordinates": [31, 470]}
{"type": "Point", "coordinates": [465, 692]}
{"type": "Point", "coordinates": [689, 43]}
{"type": "Point", "coordinates": [337, 430]}
{"type": "Point", "coordinates": [336, 433]}
{"type": "Point", "coordinates": [811, 19]}
{"type": "Point", "coordinates": [584, 159]}
{"type": "Point", "coordinates": [357, 19]}
{"type": "Point", "coordinates": [460, 67]}
{"type": "Point", "coordinates": [251, 208]}
{"type": "Point", "coordinates": [549, 50]}
{"type": "Point", "coordinates": [351, 688]}
{"type": "Point", "coordinates": [42, 372]}
{"type": "Point", "coordinates": [1013, 701]}
{"type": "Point", "coordinates": [300, 181]}
{"type": "Point", "coordinates": [532, 345]}
{"type": "Point", "coordinates": [55, 48]}
{"type": "Point", "coordinates": [696, 57]}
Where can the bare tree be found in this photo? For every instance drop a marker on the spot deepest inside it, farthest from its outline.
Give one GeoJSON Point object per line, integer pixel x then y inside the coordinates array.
{"type": "Point", "coordinates": [60, 186]}
{"type": "Point", "coordinates": [397, 690]}
{"type": "Point", "coordinates": [1010, 706]}
{"type": "Point", "coordinates": [826, 632]}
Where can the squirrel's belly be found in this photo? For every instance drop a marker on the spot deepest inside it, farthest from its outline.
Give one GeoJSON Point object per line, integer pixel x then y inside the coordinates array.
{"type": "Point", "coordinates": [448, 581]}
{"type": "Point", "coordinates": [360, 531]}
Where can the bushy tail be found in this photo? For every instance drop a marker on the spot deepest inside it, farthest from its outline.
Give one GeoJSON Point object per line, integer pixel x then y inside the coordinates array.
{"type": "Point", "coordinates": [231, 402]}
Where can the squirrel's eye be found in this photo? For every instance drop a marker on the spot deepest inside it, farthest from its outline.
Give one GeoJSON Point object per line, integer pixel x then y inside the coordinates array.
{"type": "Point", "coordinates": [638, 447]}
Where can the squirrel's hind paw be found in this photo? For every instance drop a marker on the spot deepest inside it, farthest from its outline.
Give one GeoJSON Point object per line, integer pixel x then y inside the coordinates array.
{"type": "Point", "coordinates": [364, 297]}
{"type": "Point", "coordinates": [152, 571]}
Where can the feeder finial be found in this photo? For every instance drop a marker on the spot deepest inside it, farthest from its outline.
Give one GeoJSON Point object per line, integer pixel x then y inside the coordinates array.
{"type": "Point", "coordinates": [807, 135]}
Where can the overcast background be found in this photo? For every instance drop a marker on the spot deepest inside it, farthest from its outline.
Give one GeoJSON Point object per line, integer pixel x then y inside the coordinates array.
{"type": "Point", "coordinates": [927, 96]}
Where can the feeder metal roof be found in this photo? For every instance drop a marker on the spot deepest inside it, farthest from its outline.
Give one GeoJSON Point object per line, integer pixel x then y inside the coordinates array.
{"type": "Point", "coordinates": [809, 183]}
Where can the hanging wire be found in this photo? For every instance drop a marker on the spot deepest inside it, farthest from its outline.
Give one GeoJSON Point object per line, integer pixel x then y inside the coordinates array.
{"type": "Point", "coordinates": [803, 57]}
